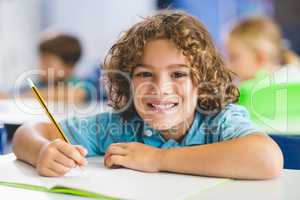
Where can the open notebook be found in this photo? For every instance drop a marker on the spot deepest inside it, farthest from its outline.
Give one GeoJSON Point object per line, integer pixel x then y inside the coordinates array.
{"type": "Point", "coordinates": [98, 182]}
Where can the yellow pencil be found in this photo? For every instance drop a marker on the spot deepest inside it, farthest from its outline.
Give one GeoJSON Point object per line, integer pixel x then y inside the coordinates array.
{"type": "Point", "coordinates": [43, 104]}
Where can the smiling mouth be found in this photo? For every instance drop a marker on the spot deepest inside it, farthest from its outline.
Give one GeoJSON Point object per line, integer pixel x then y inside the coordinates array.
{"type": "Point", "coordinates": [162, 107]}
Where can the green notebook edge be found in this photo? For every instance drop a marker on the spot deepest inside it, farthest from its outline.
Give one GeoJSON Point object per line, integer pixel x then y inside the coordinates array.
{"type": "Point", "coordinates": [84, 193]}
{"type": "Point", "coordinates": [59, 190]}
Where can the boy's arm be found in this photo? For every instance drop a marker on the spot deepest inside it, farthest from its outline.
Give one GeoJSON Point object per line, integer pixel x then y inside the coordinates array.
{"type": "Point", "coordinates": [250, 157]}
{"type": "Point", "coordinates": [255, 156]}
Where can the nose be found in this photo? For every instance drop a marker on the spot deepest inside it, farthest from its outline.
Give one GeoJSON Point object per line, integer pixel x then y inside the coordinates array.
{"type": "Point", "coordinates": [162, 85]}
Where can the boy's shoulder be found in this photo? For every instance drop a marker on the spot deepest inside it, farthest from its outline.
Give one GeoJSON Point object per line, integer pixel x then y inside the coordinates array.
{"type": "Point", "coordinates": [232, 122]}
{"type": "Point", "coordinates": [228, 114]}
{"type": "Point", "coordinates": [229, 109]}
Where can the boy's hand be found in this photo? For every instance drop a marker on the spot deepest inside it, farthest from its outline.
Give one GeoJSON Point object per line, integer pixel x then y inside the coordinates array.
{"type": "Point", "coordinates": [133, 155]}
{"type": "Point", "coordinates": [58, 157]}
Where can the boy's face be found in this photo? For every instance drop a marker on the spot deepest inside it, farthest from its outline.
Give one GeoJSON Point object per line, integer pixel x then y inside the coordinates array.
{"type": "Point", "coordinates": [54, 69]}
{"type": "Point", "coordinates": [242, 60]}
{"type": "Point", "coordinates": [164, 95]}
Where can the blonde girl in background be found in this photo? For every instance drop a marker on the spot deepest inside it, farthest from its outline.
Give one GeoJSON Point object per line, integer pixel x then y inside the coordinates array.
{"type": "Point", "coordinates": [255, 46]}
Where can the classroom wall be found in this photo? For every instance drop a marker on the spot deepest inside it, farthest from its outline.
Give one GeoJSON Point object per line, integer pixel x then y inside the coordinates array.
{"type": "Point", "coordinates": [19, 27]}
{"type": "Point", "coordinates": [97, 23]}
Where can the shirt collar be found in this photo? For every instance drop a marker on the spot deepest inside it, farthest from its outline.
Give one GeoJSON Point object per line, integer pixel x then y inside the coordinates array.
{"type": "Point", "coordinates": [192, 137]}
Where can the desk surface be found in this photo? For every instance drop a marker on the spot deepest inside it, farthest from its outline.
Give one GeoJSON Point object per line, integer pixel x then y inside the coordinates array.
{"type": "Point", "coordinates": [16, 112]}
{"type": "Point", "coordinates": [124, 183]}
{"type": "Point", "coordinates": [285, 187]}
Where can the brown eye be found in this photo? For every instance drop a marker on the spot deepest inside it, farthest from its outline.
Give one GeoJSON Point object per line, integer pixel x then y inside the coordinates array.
{"type": "Point", "coordinates": [143, 74]}
{"type": "Point", "coordinates": [177, 75]}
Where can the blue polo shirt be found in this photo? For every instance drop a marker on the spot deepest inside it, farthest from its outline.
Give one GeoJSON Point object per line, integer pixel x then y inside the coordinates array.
{"type": "Point", "coordinates": [97, 132]}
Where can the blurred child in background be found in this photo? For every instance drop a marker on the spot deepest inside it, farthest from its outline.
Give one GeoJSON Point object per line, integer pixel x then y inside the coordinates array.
{"type": "Point", "coordinates": [255, 46]}
{"type": "Point", "coordinates": [58, 56]}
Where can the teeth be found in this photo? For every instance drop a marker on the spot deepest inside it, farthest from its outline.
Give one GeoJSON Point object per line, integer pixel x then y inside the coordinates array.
{"type": "Point", "coordinates": [163, 106]}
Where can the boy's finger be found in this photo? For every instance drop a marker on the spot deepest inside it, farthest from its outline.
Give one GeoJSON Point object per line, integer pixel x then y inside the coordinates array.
{"type": "Point", "coordinates": [53, 173]}
{"type": "Point", "coordinates": [115, 161]}
{"type": "Point", "coordinates": [116, 150]}
{"type": "Point", "coordinates": [58, 168]}
{"type": "Point", "coordinates": [120, 144]}
{"type": "Point", "coordinates": [81, 150]}
{"type": "Point", "coordinates": [64, 160]}
{"type": "Point", "coordinates": [49, 173]}
{"type": "Point", "coordinates": [72, 153]}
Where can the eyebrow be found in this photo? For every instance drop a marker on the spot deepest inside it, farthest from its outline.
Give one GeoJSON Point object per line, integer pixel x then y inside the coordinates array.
{"type": "Point", "coordinates": [169, 66]}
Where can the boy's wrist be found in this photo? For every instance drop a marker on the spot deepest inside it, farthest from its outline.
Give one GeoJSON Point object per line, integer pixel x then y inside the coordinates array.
{"type": "Point", "coordinates": [41, 147]}
{"type": "Point", "coordinates": [161, 156]}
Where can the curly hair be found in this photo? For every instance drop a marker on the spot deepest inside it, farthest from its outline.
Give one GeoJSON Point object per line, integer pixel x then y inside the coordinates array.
{"type": "Point", "coordinates": [209, 74]}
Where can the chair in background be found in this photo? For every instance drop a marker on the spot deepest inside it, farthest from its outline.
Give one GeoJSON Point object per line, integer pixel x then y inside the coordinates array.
{"type": "Point", "coordinates": [290, 147]}
{"type": "Point", "coordinates": [3, 138]}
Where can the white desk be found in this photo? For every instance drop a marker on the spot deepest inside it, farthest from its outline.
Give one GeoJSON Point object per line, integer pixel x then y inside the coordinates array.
{"type": "Point", "coordinates": [285, 187]}
{"type": "Point", "coordinates": [16, 112]}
